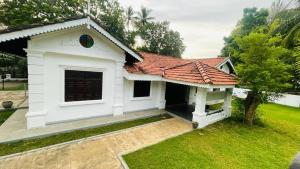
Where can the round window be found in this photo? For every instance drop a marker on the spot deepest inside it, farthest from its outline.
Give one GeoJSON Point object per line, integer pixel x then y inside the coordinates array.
{"type": "Point", "coordinates": [86, 41]}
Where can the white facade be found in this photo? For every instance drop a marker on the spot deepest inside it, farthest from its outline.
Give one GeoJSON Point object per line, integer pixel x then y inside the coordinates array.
{"type": "Point", "coordinates": [51, 54]}
{"type": "Point", "coordinates": [155, 100]}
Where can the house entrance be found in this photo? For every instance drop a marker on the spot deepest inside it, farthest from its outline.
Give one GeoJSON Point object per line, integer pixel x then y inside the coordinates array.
{"type": "Point", "coordinates": [177, 99]}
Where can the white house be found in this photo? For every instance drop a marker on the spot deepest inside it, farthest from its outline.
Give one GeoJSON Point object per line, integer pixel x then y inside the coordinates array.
{"type": "Point", "coordinates": [77, 70]}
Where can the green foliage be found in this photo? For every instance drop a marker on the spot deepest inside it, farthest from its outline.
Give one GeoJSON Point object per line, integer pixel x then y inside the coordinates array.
{"type": "Point", "coordinates": [23, 13]}
{"type": "Point", "coordinates": [158, 38]}
{"type": "Point", "coordinates": [261, 69]}
{"type": "Point", "coordinates": [110, 15]}
{"type": "Point", "coordinates": [252, 20]}
{"type": "Point", "coordinates": [129, 16]}
{"type": "Point", "coordinates": [13, 64]}
{"type": "Point", "coordinates": [19, 13]}
{"type": "Point", "coordinates": [143, 17]}
{"type": "Point", "coordinates": [14, 13]}
{"type": "Point", "coordinates": [289, 26]}
{"type": "Point", "coordinates": [238, 112]}
{"type": "Point", "coordinates": [283, 21]}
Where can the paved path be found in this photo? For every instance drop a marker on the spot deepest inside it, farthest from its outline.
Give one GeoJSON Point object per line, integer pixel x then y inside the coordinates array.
{"type": "Point", "coordinates": [14, 128]}
{"type": "Point", "coordinates": [101, 152]}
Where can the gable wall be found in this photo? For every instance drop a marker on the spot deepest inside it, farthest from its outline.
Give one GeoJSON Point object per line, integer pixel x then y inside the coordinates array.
{"type": "Point", "coordinates": [67, 42]}
{"type": "Point", "coordinates": [49, 55]}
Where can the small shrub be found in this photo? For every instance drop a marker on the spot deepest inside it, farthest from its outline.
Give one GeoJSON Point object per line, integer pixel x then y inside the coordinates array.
{"type": "Point", "coordinates": [195, 125]}
{"type": "Point", "coordinates": [7, 104]}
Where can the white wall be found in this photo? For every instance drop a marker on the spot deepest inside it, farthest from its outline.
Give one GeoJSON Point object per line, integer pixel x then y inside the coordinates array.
{"type": "Point", "coordinates": [192, 95]}
{"type": "Point", "coordinates": [239, 92]}
{"type": "Point", "coordinates": [286, 99]}
{"type": "Point", "coordinates": [289, 100]}
{"type": "Point", "coordinates": [142, 103]}
{"type": "Point", "coordinates": [49, 55]}
{"type": "Point", "coordinates": [225, 68]}
{"type": "Point", "coordinates": [213, 97]}
{"type": "Point", "coordinates": [57, 109]}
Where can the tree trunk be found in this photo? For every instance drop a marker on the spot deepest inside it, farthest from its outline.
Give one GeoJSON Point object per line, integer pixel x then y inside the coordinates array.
{"type": "Point", "coordinates": [252, 102]}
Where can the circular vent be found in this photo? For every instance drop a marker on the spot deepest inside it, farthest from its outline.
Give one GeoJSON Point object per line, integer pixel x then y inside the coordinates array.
{"type": "Point", "coordinates": [86, 41]}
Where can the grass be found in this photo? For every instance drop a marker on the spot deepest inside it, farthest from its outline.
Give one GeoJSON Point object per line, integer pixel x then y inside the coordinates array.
{"type": "Point", "coordinates": [11, 86]}
{"type": "Point", "coordinates": [229, 144]}
{"type": "Point", "coordinates": [4, 115]}
{"type": "Point", "coordinates": [6, 149]}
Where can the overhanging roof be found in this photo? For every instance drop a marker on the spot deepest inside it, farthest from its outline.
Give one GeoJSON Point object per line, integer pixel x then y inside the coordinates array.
{"type": "Point", "coordinates": [33, 30]}
{"type": "Point", "coordinates": [195, 71]}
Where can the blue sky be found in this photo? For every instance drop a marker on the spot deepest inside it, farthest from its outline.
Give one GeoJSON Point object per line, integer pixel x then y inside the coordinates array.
{"type": "Point", "coordinates": [202, 24]}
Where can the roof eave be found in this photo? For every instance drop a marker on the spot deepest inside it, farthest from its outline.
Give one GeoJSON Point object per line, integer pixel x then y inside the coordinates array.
{"type": "Point", "coordinates": [65, 25]}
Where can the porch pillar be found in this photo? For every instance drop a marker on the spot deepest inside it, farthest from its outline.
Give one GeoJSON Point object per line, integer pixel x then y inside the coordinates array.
{"type": "Point", "coordinates": [36, 115]}
{"type": "Point", "coordinates": [118, 89]}
{"type": "Point", "coordinates": [199, 114]}
{"type": "Point", "coordinates": [227, 102]}
{"type": "Point", "coordinates": [161, 104]}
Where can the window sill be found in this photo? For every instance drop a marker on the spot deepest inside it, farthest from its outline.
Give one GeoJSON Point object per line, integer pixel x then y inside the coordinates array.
{"type": "Point", "coordinates": [141, 98]}
{"type": "Point", "coordinates": [79, 103]}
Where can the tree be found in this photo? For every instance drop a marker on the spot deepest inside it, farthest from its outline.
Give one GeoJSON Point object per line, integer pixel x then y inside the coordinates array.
{"type": "Point", "coordinates": [18, 13]}
{"type": "Point", "coordinates": [110, 16]}
{"type": "Point", "coordinates": [251, 21]}
{"type": "Point", "coordinates": [289, 27]}
{"type": "Point", "coordinates": [158, 38]}
{"type": "Point", "coordinates": [261, 70]}
{"type": "Point", "coordinates": [13, 64]}
{"type": "Point", "coordinates": [15, 13]}
{"type": "Point", "coordinates": [129, 16]}
{"type": "Point", "coordinates": [143, 17]}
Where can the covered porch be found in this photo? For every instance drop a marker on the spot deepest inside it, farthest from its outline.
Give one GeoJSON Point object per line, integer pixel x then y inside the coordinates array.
{"type": "Point", "coordinates": [204, 105]}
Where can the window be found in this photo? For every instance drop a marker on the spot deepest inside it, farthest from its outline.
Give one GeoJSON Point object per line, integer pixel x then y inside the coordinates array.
{"type": "Point", "coordinates": [141, 88]}
{"type": "Point", "coordinates": [83, 85]}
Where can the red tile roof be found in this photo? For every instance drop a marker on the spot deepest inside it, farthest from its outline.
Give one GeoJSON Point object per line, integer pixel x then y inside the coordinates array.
{"type": "Point", "coordinates": [202, 71]}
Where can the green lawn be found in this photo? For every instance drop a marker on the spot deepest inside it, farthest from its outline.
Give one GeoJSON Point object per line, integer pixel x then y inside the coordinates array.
{"type": "Point", "coordinates": [10, 86]}
{"type": "Point", "coordinates": [5, 115]}
{"type": "Point", "coordinates": [229, 144]}
{"type": "Point", "coordinates": [6, 149]}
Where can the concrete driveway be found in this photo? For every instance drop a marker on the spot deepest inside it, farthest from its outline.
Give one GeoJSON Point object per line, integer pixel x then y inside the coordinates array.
{"type": "Point", "coordinates": [97, 152]}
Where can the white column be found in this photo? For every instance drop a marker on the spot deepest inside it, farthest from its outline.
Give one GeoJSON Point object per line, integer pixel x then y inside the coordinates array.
{"type": "Point", "coordinates": [161, 101]}
{"type": "Point", "coordinates": [36, 116]}
{"type": "Point", "coordinates": [227, 102]}
{"type": "Point", "coordinates": [199, 114]}
{"type": "Point", "coordinates": [118, 89]}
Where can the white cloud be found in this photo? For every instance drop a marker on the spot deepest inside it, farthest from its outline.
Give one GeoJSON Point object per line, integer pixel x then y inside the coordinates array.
{"type": "Point", "coordinates": [202, 24]}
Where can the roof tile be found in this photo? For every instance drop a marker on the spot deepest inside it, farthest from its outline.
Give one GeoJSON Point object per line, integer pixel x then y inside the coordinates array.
{"type": "Point", "coordinates": [201, 71]}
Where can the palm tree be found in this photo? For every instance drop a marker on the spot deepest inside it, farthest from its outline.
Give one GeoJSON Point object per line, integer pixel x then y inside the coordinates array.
{"type": "Point", "coordinates": [143, 16]}
{"type": "Point", "coordinates": [290, 26]}
{"type": "Point", "coordinates": [129, 16]}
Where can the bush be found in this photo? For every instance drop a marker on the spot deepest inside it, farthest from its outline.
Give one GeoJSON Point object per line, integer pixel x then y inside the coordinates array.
{"type": "Point", "coordinates": [195, 125]}
{"type": "Point", "coordinates": [7, 104]}
{"type": "Point", "coordinates": [238, 111]}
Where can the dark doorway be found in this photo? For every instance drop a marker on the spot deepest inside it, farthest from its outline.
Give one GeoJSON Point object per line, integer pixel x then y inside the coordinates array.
{"type": "Point", "coordinates": [176, 94]}
{"type": "Point", "coordinates": [177, 99]}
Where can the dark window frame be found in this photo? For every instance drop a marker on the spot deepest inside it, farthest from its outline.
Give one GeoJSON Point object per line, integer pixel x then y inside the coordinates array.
{"type": "Point", "coordinates": [141, 89]}
{"type": "Point", "coordinates": [82, 85]}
